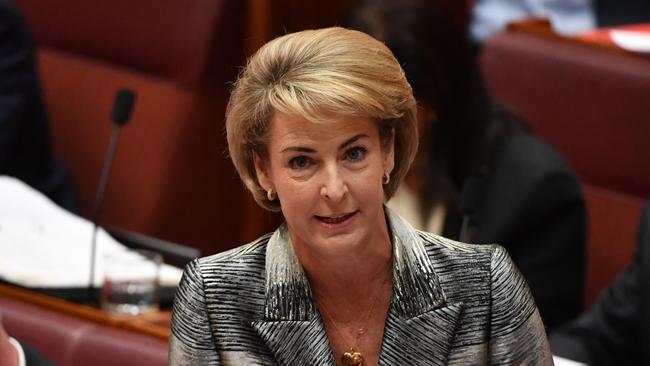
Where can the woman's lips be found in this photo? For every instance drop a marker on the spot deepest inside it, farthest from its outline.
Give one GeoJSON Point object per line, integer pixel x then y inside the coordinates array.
{"type": "Point", "coordinates": [336, 220]}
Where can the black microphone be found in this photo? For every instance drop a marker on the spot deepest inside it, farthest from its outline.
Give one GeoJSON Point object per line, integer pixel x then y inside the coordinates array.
{"type": "Point", "coordinates": [123, 106]}
{"type": "Point", "coordinates": [120, 115]}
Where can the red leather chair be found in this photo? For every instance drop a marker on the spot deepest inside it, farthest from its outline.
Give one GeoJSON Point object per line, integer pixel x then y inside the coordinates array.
{"type": "Point", "coordinates": [72, 341]}
{"type": "Point", "coordinates": [171, 178]}
{"type": "Point", "coordinates": [591, 103]}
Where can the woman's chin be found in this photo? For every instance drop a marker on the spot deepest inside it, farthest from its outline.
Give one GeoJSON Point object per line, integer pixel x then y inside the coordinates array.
{"type": "Point", "coordinates": [348, 244]}
{"type": "Point", "coordinates": [326, 237]}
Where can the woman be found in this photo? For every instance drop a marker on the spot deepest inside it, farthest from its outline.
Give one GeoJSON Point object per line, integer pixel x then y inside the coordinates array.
{"type": "Point", "coordinates": [321, 125]}
{"type": "Point", "coordinates": [481, 176]}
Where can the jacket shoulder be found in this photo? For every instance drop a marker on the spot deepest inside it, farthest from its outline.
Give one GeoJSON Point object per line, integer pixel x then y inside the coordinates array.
{"type": "Point", "coordinates": [241, 253]}
{"type": "Point", "coordinates": [527, 152]}
{"type": "Point", "coordinates": [433, 242]}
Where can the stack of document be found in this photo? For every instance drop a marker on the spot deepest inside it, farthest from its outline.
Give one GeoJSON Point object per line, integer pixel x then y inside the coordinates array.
{"type": "Point", "coordinates": [630, 40]}
{"type": "Point", "coordinates": [45, 246]}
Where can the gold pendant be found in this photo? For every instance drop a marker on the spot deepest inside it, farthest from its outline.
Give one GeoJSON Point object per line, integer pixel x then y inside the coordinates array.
{"type": "Point", "coordinates": [352, 358]}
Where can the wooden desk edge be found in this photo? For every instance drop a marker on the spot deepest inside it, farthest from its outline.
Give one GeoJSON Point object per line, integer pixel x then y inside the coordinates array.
{"type": "Point", "coordinates": [94, 315]}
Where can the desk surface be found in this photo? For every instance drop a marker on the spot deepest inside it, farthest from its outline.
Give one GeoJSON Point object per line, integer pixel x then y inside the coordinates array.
{"type": "Point", "coordinates": [156, 324]}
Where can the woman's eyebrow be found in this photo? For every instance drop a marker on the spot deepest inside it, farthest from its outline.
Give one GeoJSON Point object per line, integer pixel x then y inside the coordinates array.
{"type": "Point", "coordinates": [299, 149]}
{"type": "Point", "coordinates": [309, 150]}
{"type": "Point", "coordinates": [352, 140]}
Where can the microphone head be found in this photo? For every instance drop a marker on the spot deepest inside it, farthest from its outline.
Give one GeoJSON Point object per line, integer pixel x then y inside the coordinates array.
{"type": "Point", "coordinates": [123, 106]}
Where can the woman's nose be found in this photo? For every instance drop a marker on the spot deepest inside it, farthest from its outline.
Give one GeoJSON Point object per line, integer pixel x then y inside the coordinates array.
{"type": "Point", "coordinates": [333, 187]}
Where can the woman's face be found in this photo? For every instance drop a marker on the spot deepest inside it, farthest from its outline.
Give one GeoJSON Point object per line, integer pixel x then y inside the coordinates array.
{"type": "Point", "coordinates": [328, 178]}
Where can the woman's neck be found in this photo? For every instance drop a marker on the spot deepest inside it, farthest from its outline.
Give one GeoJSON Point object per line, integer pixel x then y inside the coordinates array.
{"type": "Point", "coordinates": [349, 281]}
{"type": "Point", "coordinates": [354, 274]}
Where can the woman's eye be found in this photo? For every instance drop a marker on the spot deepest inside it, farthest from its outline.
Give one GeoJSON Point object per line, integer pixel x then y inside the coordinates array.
{"type": "Point", "coordinates": [299, 162]}
{"type": "Point", "coordinates": [355, 154]}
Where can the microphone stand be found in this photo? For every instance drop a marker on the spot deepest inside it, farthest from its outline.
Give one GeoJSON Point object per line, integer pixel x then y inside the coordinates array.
{"type": "Point", "coordinates": [120, 116]}
{"type": "Point", "coordinates": [99, 200]}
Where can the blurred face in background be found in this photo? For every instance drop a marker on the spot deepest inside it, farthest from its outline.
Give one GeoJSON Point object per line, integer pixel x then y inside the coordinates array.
{"type": "Point", "coordinates": [328, 178]}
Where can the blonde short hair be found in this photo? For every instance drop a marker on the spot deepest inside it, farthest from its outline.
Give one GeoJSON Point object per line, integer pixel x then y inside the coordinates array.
{"type": "Point", "coordinates": [315, 74]}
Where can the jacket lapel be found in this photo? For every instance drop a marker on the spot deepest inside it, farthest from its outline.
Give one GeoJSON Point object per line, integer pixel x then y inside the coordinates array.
{"type": "Point", "coordinates": [296, 342]}
{"type": "Point", "coordinates": [292, 328]}
{"type": "Point", "coordinates": [421, 323]}
{"type": "Point", "coordinates": [421, 340]}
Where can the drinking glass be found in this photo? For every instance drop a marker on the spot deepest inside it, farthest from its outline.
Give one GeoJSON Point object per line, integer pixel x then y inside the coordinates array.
{"type": "Point", "coordinates": [131, 282]}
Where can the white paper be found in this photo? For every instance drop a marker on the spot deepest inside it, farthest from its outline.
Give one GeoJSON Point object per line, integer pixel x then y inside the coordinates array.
{"type": "Point", "coordinates": [561, 361]}
{"type": "Point", "coordinates": [43, 245]}
{"type": "Point", "coordinates": [631, 40]}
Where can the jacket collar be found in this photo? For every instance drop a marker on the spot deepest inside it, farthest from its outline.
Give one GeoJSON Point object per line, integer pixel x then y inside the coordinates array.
{"type": "Point", "coordinates": [292, 327]}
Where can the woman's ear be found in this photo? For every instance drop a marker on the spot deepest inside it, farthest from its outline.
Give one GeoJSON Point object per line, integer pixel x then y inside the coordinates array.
{"type": "Point", "coordinates": [261, 171]}
{"type": "Point", "coordinates": [389, 153]}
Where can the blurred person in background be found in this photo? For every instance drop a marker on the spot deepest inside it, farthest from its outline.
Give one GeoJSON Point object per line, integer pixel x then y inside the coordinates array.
{"type": "Point", "coordinates": [480, 175]}
{"type": "Point", "coordinates": [567, 16]}
{"type": "Point", "coordinates": [13, 353]}
{"type": "Point", "coordinates": [25, 151]}
{"type": "Point", "coordinates": [616, 329]}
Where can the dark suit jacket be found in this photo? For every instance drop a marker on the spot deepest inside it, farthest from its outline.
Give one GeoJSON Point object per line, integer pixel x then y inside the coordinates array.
{"type": "Point", "coordinates": [529, 201]}
{"type": "Point", "coordinates": [25, 151]}
{"type": "Point", "coordinates": [616, 330]}
{"type": "Point", "coordinates": [617, 12]}
{"type": "Point", "coordinates": [452, 303]}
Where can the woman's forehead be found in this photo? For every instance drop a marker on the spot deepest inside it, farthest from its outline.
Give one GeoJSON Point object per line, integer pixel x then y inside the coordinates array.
{"type": "Point", "coordinates": [291, 130]}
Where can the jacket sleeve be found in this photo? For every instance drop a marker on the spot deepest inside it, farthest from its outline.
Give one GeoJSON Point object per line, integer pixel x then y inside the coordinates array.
{"type": "Point", "coordinates": [16, 77]}
{"type": "Point", "coordinates": [610, 331]}
{"type": "Point", "coordinates": [517, 335]}
{"type": "Point", "coordinates": [191, 341]}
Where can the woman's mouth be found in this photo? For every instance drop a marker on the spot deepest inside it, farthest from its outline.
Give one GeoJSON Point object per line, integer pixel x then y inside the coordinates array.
{"type": "Point", "coordinates": [335, 220]}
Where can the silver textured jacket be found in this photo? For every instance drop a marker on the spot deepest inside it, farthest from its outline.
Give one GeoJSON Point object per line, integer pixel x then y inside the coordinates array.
{"type": "Point", "coordinates": [453, 303]}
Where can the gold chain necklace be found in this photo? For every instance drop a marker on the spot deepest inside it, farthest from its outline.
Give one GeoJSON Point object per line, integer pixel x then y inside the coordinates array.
{"type": "Point", "coordinates": [353, 357]}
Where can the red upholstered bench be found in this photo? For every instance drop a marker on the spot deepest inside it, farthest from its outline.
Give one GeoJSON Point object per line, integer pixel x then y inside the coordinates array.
{"type": "Point", "coordinates": [70, 340]}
